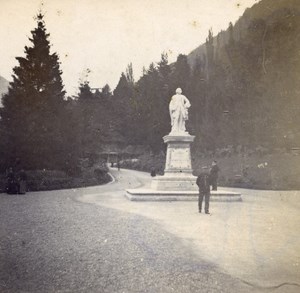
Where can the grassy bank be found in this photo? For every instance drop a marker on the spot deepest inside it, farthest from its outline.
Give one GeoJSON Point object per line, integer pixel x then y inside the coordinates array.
{"type": "Point", "coordinates": [259, 169]}
{"type": "Point", "coordinates": [275, 171]}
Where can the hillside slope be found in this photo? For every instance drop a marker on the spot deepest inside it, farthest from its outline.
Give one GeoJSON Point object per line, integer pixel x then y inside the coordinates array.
{"type": "Point", "coordinates": [3, 87]}
{"type": "Point", "coordinates": [265, 9]}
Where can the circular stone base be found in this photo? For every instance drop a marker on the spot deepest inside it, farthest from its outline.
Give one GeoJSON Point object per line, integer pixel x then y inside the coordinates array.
{"type": "Point", "coordinates": [141, 194]}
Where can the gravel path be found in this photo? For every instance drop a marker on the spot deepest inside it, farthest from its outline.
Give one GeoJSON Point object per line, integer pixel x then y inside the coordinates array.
{"type": "Point", "coordinates": [50, 242]}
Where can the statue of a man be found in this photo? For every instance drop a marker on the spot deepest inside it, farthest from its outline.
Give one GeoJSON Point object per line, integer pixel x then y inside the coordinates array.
{"type": "Point", "coordinates": [179, 112]}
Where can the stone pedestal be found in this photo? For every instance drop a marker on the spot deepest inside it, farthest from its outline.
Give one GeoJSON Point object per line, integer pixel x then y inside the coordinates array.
{"type": "Point", "coordinates": [178, 169]}
{"type": "Point", "coordinates": [178, 182]}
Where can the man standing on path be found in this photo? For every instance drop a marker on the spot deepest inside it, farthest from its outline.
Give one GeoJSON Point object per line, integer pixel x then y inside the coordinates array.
{"type": "Point", "coordinates": [204, 191]}
{"type": "Point", "coordinates": [213, 175]}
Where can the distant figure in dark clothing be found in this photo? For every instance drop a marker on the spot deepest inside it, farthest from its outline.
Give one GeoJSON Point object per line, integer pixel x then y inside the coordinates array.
{"type": "Point", "coordinates": [22, 182]}
{"type": "Point", "coordinates": [153, 172]}
{"type": "Point", "coordinates": [118, 165]}
{"type": "Point", "coordinates": [204, 191]}
{"type": "Point", "coordinates": [12, 184]}
{"type": "Point", "coordinates": [213, 175]}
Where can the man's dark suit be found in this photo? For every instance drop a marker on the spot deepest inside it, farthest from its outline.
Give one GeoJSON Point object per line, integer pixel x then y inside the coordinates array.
{"type": "Point", "coordinates": [204, 191]}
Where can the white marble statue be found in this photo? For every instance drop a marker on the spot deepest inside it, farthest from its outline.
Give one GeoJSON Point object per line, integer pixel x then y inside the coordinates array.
{"type": "Point", "coordinates": [179, 112]}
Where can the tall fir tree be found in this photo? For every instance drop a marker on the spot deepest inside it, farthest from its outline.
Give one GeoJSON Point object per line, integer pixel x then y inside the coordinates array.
{"type": "Point", "coordinates": [125, 103]}
{"type": "Point", "coordinates": [85, 91]}
{"type": "Point", "coordinates": [33, 112]}
{"type": "Point", "coordinates": [210, 52]}
{"type": "Point", "coordinates": [198, 89]}
{"type": "Point", "coordinates": [181, 75]}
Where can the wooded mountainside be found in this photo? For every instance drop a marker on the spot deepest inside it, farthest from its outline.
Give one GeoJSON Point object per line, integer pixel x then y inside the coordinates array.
{"type": "Point", "coordinates": [3, 87]}
{"type": "Point", "coordinates": [255, 69]}
{"type": "Point", "coordinates": [243, 85]}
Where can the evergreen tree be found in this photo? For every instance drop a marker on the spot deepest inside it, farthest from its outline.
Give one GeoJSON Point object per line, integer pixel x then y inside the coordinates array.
{"type": "Point", "coordinates": [129, 74]}
{"type": "Point", "coordinates": [85, 106]}
{"type": "Point", "coordinates": [85, 91]}
{"type": "Point", "coordinates": [231, 37]}
{"type": "Point", "coordinates": [197, 97]}
{"type": "Point", "coordinates": [154, 96]}
{"type": "Point", "coordinates": [213, 101]}
{"type": "Point", "coordinates": [210, 53]}
{"type": "Point", "coordinates": [125, 107]}
{"type": "Point", "coordinates": [181, 74]}
{"type": "Point", "coordinates": [95, 119]}
{"type": "Point", "coordinates": [106, 92]}
{"type": "Point", "coordinates": [34, 107]}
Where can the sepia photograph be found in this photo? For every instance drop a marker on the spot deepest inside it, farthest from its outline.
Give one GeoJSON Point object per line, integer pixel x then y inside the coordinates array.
{"type": "Point", "coordinates": [150, 146]}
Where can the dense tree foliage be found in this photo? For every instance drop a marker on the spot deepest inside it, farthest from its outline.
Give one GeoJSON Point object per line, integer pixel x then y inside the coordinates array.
{"type": "Point", "coordinates": [33, 115]}
{"type": "Point", "coordinates": [244, 89]}
{"type": "Point", "coordinates": [95, 119]}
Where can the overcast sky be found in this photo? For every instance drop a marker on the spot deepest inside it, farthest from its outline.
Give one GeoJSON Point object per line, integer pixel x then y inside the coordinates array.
{"type": "Point", "coordinates": [106, 35]}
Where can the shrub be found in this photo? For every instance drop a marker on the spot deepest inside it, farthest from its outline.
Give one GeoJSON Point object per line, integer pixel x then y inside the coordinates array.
{"type": "Point", "coordinates": [39, 180]}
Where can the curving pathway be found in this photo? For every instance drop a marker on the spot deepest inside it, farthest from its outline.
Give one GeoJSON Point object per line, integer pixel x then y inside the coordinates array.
{"type": "Point", "coordinates": [95, 240]}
